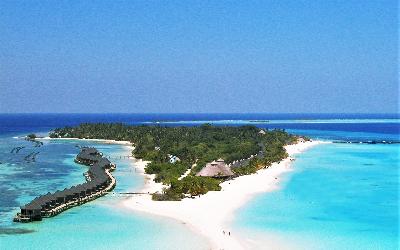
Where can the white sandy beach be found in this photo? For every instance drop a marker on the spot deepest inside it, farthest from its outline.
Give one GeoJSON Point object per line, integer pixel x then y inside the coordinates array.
{"type": "Point", "coordinates": [212, 213]}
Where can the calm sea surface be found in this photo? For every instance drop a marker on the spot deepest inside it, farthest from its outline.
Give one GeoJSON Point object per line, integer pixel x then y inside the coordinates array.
{"type": "Point", "coordinates": [339, 196]}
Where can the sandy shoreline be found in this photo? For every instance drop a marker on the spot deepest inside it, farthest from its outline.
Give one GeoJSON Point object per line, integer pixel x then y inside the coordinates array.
{"type": "Point", "coordinates": [212, 213]}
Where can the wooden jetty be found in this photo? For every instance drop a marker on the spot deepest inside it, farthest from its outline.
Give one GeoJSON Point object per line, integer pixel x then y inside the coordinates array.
{"type": "Point", "coordinates": [99, 182]}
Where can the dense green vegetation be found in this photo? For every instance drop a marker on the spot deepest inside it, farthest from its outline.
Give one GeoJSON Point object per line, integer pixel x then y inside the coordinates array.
{"type": "Point", "coordinates": [194, 146]}
{"type": "Point", "coordinates": [191, 185]}
{"type": "Point", "coordinates": [166, 172]}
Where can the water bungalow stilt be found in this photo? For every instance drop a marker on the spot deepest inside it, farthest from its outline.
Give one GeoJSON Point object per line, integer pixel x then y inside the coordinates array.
{"type": "Point", "coordinates": [99, 182]}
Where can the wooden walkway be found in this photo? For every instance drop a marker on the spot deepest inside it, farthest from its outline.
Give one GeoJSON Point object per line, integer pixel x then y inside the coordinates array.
{"type": "Point", "coordinates": [102, 183]}
{"type": "Point", "coordinates": [118, 157]}
{"type": "Point", "coordinates": [78, 202]}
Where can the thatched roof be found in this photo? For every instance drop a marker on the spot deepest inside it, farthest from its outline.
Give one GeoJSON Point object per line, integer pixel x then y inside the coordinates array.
{"type": "Point", "coordinates": [216, 169]}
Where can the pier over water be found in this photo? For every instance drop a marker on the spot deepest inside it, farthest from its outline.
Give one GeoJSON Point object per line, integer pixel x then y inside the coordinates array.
{"type": "Point", "coordinates": [99, 182]}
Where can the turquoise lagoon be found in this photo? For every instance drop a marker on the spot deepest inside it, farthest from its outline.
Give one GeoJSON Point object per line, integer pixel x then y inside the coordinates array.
{"type": "Point", "coordinates": [101, 224]}
{"type": "Point", "coordinates": [339, 196]}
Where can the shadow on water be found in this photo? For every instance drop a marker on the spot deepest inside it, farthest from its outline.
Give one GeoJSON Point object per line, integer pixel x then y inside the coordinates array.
{"type": "Point", "coordinates": [10, 231]}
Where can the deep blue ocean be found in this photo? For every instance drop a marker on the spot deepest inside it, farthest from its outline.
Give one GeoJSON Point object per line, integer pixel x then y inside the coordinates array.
{"type": "Point", "coordinates": [339, 196]}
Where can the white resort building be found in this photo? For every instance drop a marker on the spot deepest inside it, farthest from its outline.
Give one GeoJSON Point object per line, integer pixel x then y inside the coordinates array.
{"type": "Point", "coordinates": [173, 158]}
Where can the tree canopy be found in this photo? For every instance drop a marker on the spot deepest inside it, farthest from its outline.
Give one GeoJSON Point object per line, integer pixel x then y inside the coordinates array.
{"type": "Point", "coordinates": [194, 146]}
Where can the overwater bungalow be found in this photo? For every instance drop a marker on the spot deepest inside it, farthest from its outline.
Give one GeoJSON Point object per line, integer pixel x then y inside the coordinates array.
{"type": "Point", "coordinates": [52, 204]}
{"type": "Point", "coordinates": [104, 162]}
{"type": "Point", "coordinates": [31, 212]}
{"type": "Point", "coordinates": [88, 156]}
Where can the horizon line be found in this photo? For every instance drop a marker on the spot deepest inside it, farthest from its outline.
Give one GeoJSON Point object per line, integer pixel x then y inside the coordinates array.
{"type": "Point", "coordinates": [196, 113]}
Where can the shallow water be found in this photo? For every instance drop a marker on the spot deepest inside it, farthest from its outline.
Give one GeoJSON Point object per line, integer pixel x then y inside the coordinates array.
{"type": "Point", "coordinates": [101, 224]}
{"type": "Point", "coordinates": [339, 196]}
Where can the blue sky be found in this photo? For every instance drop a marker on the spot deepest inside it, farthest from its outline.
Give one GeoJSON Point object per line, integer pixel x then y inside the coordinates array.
{"type": "Point", "coordinates": [265, 56]}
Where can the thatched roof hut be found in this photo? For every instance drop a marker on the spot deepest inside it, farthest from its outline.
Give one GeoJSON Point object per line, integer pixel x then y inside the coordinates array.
{"type": "Point", "coordinates": [216, 168]}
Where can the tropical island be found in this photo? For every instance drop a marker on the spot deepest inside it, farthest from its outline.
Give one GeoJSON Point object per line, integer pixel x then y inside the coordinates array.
{"type": "Point", "coordinates": [202, 174]}
{"type": "Point", "coordinates": [191, 161]}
